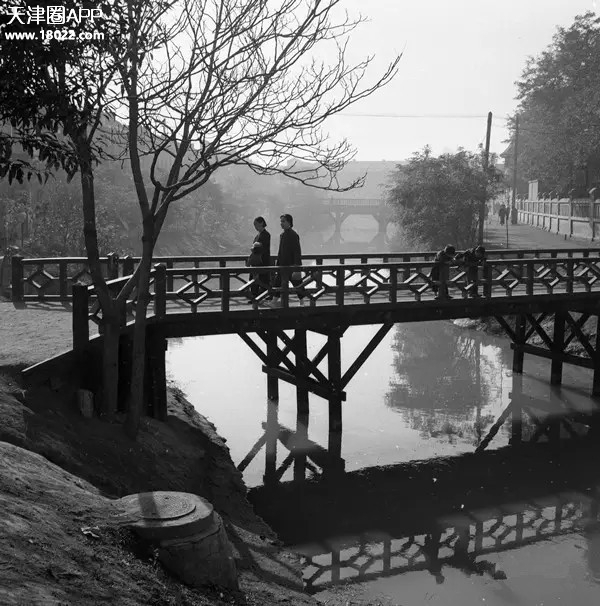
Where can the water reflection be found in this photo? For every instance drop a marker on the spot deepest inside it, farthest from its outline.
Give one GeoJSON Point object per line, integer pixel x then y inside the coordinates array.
{"type": "Point", "coordinates": [443, 380]}
{"type": "Point", "coordinates": [465, 543]}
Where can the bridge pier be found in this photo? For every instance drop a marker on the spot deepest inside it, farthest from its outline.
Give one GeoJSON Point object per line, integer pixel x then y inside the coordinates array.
{"type": "Point", "coordinates": [272, 412]}
{"type": "Point", "coordinates": [302, 405]}
{"type": "Point", "coordinates": [334, 365]}
{"type": "Point", "coordinates": [519, 342]}
{"type": "Point", "coordinates": [596, 379]}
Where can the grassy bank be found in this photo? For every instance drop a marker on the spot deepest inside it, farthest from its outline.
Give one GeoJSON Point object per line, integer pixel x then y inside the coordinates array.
{"type": "Point", "coordinates": [59, 473]}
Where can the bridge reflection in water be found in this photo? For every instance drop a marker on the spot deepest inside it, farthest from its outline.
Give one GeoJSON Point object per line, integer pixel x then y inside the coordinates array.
{"type": "Point", "coordinates": [442, 513]}
{"type": "Point", "coordinates": [461, 541]}
{"type": "Point", "coordinates": [551, 421]}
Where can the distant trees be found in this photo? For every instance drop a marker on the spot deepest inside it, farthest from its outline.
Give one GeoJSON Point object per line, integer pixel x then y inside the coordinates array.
{"type": "Point", "coordinates": [436, 199]}
{"type": "Point", "coordinates": [559, 106]}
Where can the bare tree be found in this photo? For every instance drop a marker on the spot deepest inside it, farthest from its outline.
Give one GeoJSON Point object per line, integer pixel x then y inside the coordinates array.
{"type": "Point", "coordinates": [231, 82]}
{"type": "Point", "coordinates": [196, 85]}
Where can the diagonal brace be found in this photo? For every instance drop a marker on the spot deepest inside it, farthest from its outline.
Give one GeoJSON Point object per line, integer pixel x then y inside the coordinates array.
{"type": "Point", "coordinates": [366, 352]}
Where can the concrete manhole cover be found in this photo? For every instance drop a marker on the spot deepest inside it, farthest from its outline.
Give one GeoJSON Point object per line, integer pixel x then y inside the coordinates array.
{"type": "Point", "coordinates": [164, 514]}
{"type": "Point", "coordinates": [165, 506]}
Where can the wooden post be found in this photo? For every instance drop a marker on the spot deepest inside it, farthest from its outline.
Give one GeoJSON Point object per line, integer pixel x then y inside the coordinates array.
{"type": "Point", "coordinates": [340, 275]}
{"type": "Point", "coordinates": [518, 353]}
{"type": "Point", "coordinates": [81, 329]}
{"type": "Point", "coordinates": [157, 366]}
{"type": "Point", "coordinates": [170, 280]}
{"type": "Point", "coordinates": [570, 275]}
{"type": "Point", "coordinates": [596, 379]}
{"type": "Point", "coordinates": [487, 280]}
{"type": "Point", "coordinates": [285, 287]}
{"type": "Point", "coordinates": [128, 265]}
{"type": "Point", "coordinates": [63, 281]}
{"type": "Point", "coordinates": [593, 193]}
{"type": "Point", "coordinates": [225, 290]}
{"type": "Point", "coordinates": [334, 363]}
{"type": "Point", "coordinates": [558, 348]}
{"type": "Point", "coordinates": [112, 261]}
{"type": "Point", "coordinates": [393, 284]}
{"type": "Point", "coordinates": [272, 429]}
{"type": "Point", "coordinates": [81, 333]}
{"type": "Point", "coordinates": [319, 274]}
{"type": "Point", "coordinates": [530, 277]}
{"type": "Point", "coordinates": [302, 403]}
{"type": "Point", "coordinates": [17, 285]}
{"type": "Point", "coordinates": [160, 290]}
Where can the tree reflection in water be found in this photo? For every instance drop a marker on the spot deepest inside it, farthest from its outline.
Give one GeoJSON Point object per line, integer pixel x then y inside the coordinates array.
{"type": "Point", "coordinates": [445, 376]}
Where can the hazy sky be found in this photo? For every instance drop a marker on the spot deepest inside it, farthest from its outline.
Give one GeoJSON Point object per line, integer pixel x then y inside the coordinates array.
{"type": "Point", "coordinates": [460, 57]}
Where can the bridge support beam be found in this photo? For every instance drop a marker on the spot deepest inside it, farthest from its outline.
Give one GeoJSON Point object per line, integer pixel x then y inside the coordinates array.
{"type": "Point", "coordinates": [334, 365]}
{"type": "Point", "coordinates": [272, 412]}
{"type": "Point", "coordinates": [519, 352]}
{"type": "Point", "coordinates": [596, 379]}
{"type": "Point", "coordinates": [302, 405]}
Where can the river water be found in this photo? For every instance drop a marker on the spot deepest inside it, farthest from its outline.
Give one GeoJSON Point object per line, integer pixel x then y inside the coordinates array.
{"type": "Point", "coordinates": [429, 390]}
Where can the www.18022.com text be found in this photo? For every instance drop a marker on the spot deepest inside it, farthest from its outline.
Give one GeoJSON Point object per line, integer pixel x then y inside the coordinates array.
{"type": "Point", "coordinates": [54, 34]}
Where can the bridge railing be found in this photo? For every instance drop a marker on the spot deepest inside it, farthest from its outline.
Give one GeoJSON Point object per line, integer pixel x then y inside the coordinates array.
{"type": "Point", "coordinates": [53, 278]}
{"type": "Point", "coordinates": [198, 289]}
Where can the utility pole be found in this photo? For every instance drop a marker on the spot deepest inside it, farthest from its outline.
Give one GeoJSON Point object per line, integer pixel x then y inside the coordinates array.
{"type": "Point", "coordinates": [486, 160]}
{"type": "Point", "coordinates": [515, 165]}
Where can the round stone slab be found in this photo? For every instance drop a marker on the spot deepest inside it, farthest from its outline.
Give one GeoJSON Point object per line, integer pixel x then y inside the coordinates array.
{"type": "Point", "coordinates": [162, 515]}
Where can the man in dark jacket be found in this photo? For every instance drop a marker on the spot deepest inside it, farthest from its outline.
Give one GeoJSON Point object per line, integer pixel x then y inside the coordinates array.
{"type": "Point", "coordinates": [442, 260]}
{"type": "Point", "coordinates": [472, 258]}
{"type": "Point", "coordinates": [289, 254]}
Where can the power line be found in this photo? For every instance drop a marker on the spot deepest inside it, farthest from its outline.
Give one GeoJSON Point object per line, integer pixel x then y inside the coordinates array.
{"type": "Point", "coordinates": [426, 116]}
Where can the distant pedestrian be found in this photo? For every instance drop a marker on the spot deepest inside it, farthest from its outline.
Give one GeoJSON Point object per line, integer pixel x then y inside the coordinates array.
{"type": "Point", "coordinates": [502, 213]}
{"type": "Point", "coordinates": [514, 215]}
{"type": "Point", "coordinates": [290, 254]}
{"type": "Point", "coordinates": [472, 258]}
{"type": "Point", "coordinates": [261, 279]}
{"type": "Point", "coordinates": [486, 213]}
{"type": "Point", "coordinates": [442, 261]}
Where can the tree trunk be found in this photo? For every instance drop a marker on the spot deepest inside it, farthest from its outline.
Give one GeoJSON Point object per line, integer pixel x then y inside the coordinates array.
{"type": "Point", "coordinates": [110, 366]}
{"type": "Point", "coordinates": [136, 397]}
{"type": "Point", "coordinates": [110, 358]}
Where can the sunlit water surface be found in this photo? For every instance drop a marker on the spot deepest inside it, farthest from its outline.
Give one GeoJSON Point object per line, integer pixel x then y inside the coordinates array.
{"type": "Point", "coordinates": [430, 389]}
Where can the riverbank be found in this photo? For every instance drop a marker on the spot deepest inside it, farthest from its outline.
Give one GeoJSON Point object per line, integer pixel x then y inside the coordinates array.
{"type": "Point", "coordinates": [58, 475]}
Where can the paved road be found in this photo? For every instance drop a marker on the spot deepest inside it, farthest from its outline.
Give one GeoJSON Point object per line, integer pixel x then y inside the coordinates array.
{"type": "Point", "coordinates": [525, 236]}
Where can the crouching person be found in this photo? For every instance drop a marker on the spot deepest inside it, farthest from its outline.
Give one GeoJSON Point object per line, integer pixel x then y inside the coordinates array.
{"type": "Point", "coordinates": [442, 261]}
{"type": "Point", "coordinates": [472, 259]}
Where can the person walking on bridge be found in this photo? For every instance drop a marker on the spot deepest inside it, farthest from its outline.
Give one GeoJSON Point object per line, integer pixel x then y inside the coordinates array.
{"type": "Point", "coordinates": [289, 253]}
{"type": "Point", "coordinates": [263, 237]}
{"type": "Point", "coordinates": [472, 258]}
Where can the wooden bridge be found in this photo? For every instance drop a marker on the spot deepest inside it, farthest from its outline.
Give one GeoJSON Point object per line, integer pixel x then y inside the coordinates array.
{"type": "Point", "coordinates": [550, 295]}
